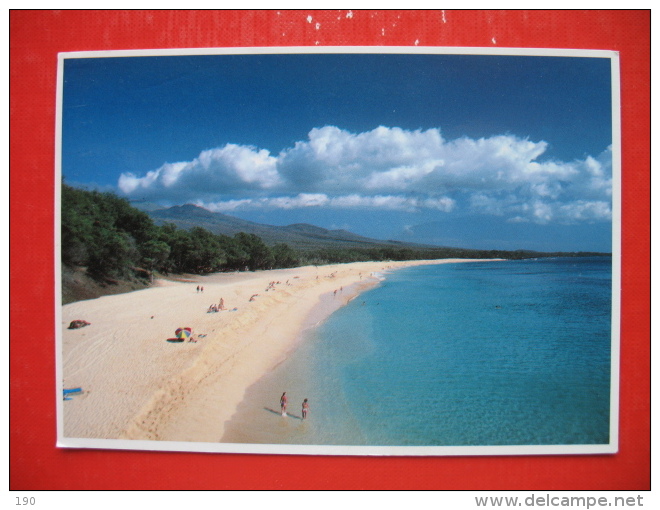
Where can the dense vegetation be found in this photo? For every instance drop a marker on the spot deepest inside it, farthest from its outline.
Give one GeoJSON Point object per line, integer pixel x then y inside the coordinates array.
{"type": "Point", "coordinates": [109, 237]}
{"type": "Point", "coordinates": [114, 240]}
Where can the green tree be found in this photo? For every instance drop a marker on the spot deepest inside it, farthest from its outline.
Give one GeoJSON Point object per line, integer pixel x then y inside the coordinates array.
{"type": "Point", "coordinates": [206, 254]}
{"type": "Point", "coordinates": [180, 244]}
{"type": "Point", "coordinates": [259, 255]}
{"type": "Point", "coordinates": [113, 254]}
{"type": "Point", "coordinates": [155, 254]}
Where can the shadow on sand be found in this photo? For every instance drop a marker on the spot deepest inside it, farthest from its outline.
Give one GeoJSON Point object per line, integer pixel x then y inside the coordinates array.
{"type": "Point", "coordinates": [289, 415]}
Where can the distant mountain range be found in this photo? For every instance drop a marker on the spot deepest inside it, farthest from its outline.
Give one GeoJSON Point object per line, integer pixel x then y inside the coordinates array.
{"type": "Point", "coordinates": [301, 236]}
{"type": "Point", "coordinates": [306, 237]}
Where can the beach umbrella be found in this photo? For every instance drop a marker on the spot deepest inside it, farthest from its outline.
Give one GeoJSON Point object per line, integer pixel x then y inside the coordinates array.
{"type": "Point", "coordinates": [183, 333]}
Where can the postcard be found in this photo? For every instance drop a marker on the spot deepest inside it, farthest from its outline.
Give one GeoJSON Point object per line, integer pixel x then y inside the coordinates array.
{"type": "Point", "coordinates": [339, 251]}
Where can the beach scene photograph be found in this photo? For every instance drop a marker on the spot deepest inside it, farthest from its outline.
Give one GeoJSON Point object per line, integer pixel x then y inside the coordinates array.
{"type": "Point", "coordinates": [342, 252]}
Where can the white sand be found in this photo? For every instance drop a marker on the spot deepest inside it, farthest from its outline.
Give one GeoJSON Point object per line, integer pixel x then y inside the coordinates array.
{"type": "Point", "coordinates": [137, 385]}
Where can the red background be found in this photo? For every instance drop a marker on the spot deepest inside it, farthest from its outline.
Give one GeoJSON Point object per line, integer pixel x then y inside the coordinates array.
{"type": "Point", "coordinates": [35, 39]}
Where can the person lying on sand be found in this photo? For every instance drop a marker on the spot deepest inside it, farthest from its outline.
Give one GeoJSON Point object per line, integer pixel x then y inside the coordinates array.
{"type": "Point", "coordinates": [78, 324]}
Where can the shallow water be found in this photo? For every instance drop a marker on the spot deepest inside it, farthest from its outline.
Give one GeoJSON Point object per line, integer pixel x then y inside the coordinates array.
{"type": "Point", "coordinates": [478, 353]}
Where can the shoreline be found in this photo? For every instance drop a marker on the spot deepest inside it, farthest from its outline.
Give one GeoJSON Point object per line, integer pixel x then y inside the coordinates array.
{"type": "Point", "coordinates": [249, 423]}
{"type": "Point", "coordinates": [136, 385]}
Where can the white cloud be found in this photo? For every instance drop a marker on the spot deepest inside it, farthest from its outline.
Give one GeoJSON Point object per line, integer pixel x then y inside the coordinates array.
{"type": "Point", "coordinates": [216, 171]}
{"type": "Point", "coordinates": [584, 210]}
{"type": "Point", "coordinates": [383, 202]}
{"type": "Point", "coordinates": [390, 168]}
{"type": "Point", "coordinates": [297, 202]}
{"type": "Point", "coordinates": [227, 205]}
{"type": "Point", "coordinates": [166, 175]}
{"type": "Point", "coordinates": [393, 202]}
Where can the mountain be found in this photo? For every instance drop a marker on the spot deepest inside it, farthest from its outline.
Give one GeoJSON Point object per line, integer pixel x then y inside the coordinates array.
{"type": "Point", "coordinates": [301, 236]}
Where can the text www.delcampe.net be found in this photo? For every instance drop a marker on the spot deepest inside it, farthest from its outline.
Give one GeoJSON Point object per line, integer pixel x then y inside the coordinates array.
{"type": "Point", "coordinates": [548, 500]}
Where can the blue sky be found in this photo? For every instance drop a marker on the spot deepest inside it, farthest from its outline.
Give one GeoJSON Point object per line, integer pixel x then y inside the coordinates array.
{"type": "Point", "coordinates": [501, 152]}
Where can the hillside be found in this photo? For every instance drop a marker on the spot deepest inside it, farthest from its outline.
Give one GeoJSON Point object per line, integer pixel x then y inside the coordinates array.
{"type": "Point", "coordinates": [299, 236]}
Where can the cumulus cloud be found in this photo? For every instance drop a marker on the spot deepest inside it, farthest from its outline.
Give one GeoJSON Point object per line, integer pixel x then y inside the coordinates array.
{"type": "Point", "coordinates": [390, 168]}
{"type": "Point", "coordinates": [223, 170]}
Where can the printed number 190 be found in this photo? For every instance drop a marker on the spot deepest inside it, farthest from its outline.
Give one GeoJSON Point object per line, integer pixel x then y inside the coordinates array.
{"type": "Point", "coordinates": [25, 501]}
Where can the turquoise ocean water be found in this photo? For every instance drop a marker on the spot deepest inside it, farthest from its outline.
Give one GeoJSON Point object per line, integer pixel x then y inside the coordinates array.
{"type": "Point", "coordinates": [477, 353]}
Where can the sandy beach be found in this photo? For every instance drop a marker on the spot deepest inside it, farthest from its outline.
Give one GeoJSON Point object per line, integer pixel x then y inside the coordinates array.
{"type": "Point", "coordinates": [138, 385]}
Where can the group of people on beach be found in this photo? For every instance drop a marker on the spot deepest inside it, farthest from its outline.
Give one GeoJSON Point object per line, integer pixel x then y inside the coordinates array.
{"type": "Point", "coordinates": [271, 285]}
{"type": "Point", "coordinates": [284, 400]}
{"type": "Point", "coordinates": [216, 308]}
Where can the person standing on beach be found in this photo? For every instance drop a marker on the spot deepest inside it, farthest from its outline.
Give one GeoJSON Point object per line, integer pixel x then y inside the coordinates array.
{"type": "Point", "coordinates": [283, 402]}
{"type": "Point", "coordinates": [305, 408]}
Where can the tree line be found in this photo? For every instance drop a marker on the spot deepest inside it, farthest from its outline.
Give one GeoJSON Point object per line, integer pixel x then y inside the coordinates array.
{"type": "Point", "coordinates": [112, 239]}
